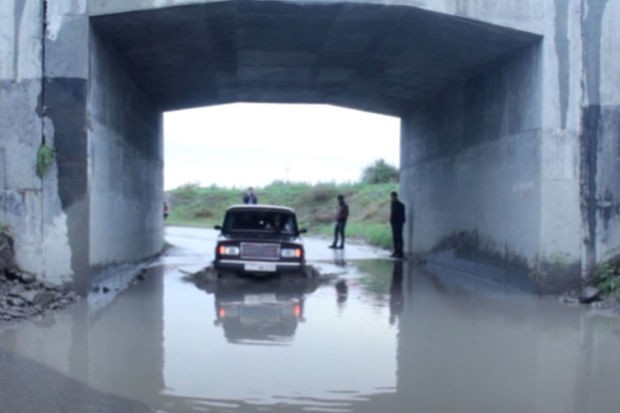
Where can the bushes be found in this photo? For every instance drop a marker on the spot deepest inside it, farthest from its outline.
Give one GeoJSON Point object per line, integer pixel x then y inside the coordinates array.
{"type": "Point", "coordinates": [380, 173]}
{"type": "Point", "coordinates": [606, 275]}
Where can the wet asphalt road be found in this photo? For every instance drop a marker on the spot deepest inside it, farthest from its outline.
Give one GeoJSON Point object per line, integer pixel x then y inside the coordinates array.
{"type": "Point", "coordinates": [368, 335]}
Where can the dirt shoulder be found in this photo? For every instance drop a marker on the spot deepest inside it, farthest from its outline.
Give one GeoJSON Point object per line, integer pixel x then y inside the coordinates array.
{"type": "Point", "coordinates": [597, 298]}
{"type": "Point", "coordinates": [23, 297]}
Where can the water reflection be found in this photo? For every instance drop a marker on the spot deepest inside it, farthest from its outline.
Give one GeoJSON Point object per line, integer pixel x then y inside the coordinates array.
{"type": "Point", "coordinates": [396, 291]}
{"type": "Point", "coordinates": [409, 340]}
{"type": "Point", "coordinates": [324, 364]}
{"type": "Point", "coordinates": [116, 349]}
{"type": "Point", "coordinates": [261, 311]}
{"type": "Point", "coordinates": [339, 258]}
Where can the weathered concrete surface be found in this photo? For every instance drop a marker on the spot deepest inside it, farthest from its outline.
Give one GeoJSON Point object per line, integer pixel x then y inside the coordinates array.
{"type": "Point", "coordinates": [28, 205]}
{"type": "Point", "coordinates": [361, 55]}
{"type": "Point", "coordinates": [509, 108]}
{"type": "Point", "coordinates": [530, 156]}
{"type": "Point", "coordinates": [601, 128]}
{"type": "Point", "coordinates": [520, 15]}
{"type": "Point", "coordinates": [126, 164]}
{"type": "Point", "coordinates": [46, 92]}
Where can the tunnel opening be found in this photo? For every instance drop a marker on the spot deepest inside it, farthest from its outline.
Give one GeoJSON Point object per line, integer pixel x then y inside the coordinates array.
{"type": "Point", "coordinates": [467, 94]}
{"type": "Point", "coordinates": [257, 144]}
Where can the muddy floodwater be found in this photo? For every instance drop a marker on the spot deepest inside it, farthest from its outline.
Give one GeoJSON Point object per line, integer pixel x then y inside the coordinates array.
{"type": "Point", "coordinates": [366, 334]}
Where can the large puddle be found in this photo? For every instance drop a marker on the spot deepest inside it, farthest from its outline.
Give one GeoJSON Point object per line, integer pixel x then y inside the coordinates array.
{"type": "Point", "coordinates": [368, 335]}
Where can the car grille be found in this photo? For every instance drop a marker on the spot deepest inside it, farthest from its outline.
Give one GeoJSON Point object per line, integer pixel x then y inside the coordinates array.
{"type": "Point", "coordinates": [260, 251]}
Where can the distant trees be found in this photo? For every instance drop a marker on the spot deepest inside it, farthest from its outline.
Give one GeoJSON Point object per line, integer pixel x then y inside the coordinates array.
{"type": "Point", "coordinates": [380, 172]}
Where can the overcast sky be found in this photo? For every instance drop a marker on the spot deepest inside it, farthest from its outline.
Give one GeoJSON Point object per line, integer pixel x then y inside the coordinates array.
{"type": "Point", "coordinates": [242, 144]}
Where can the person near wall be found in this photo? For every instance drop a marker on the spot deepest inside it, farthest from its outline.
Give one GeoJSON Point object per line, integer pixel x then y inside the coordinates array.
{"type": "Point", "coordinates": [342, 214]}
{"type": "Point", "coordinates": [397, 221]}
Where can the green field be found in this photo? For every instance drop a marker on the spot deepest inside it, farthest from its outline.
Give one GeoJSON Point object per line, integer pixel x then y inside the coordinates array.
{"type": "Point", "coordinates": [369, 205]}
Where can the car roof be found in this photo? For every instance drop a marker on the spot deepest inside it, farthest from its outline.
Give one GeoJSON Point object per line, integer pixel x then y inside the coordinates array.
{"type": "Point", "coordinates": [260, 207]}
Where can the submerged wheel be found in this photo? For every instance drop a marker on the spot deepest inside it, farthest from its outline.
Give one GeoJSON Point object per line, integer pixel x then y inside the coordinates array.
{"type": "Point", "coordinates": [222, 274]}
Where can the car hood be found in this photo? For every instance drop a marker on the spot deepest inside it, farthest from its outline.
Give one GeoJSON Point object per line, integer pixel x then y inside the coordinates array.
{"type": "Point", "coordinates": [262, 237]}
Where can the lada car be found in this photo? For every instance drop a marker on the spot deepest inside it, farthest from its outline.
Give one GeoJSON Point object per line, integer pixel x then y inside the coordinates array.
{"type": "Point", "coordinates": [259, 240]}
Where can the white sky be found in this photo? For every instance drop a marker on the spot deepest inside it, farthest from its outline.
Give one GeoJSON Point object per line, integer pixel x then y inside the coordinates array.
{"type": "Point", "coordinates": [244, 144]}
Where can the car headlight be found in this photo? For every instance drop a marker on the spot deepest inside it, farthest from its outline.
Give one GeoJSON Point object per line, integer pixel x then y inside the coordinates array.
{"type": "Point", "coordinates": [228, 250]}
{"type": "Point", "coordinates": [291, 252]}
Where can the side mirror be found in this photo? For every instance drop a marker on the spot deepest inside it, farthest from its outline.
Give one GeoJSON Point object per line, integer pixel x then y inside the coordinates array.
{"type": "Point", "coordinates": [303, 230]}
{"type": "Point", "coordinates": [217, 227]}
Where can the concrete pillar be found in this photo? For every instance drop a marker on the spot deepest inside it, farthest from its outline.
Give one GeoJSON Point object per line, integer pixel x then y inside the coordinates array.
{"type": "Point", "coordinates": [30, 204]}
{"type": "Point", "coordinates": [517, 168]}
{"type": "Point", "coordinates": [471, 172]}
{"type": "Point", "coordinates": [600, 133]}
{"type": "Point", "coordinates": [126, 164]}
{"type": "Point", "coordinates": [64, 99]}
{"type": "Point", "coordinates": [62, 89]}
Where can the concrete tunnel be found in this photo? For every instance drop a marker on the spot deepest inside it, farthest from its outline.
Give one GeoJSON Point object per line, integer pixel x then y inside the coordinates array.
{"type": "Point", "coordinates": [504, 112]}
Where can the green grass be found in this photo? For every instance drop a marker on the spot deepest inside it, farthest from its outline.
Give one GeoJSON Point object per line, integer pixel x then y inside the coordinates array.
{"type": "Point", "coordinates": [609, 285]}
{"type": "Point", "coordinates": [315, 205]}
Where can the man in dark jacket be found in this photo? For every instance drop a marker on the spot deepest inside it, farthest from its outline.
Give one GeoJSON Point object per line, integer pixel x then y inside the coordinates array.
{"type": "Point", "coordinates": [341, 221]}
{"type": "Point", "coordinates": [250, 197]}
{"type": "Point", "coordinates": [397, 221]}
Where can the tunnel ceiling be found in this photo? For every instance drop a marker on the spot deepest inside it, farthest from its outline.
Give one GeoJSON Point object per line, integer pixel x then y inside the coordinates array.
{"type": "Point", "coordinates": [378, 58]}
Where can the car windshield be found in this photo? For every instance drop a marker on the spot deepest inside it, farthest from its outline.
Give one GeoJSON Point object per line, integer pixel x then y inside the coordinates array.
{"type": "Point", "coordinates": [270, 221]}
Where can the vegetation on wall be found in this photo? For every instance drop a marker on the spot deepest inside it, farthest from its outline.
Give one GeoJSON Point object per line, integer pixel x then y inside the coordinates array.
{"type": "Point", "coordinates": [45, 158]}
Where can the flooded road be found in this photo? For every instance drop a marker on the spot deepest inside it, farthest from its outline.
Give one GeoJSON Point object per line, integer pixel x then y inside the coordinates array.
{"type": "Point", "coordinates": [369, 335]}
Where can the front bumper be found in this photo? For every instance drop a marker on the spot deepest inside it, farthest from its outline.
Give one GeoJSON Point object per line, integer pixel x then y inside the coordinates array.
{"type": "Point", "coordinates": [258, 267]}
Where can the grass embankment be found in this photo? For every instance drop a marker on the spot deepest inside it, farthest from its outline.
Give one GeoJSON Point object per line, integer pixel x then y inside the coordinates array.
{"type": "Point", "coordinates": [315, 205]}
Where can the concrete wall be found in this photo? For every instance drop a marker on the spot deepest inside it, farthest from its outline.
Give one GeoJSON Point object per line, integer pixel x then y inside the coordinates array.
{"type": "Point", "coordinates": [516, 14]}
{"type": "Point", "coordinates": [62, 223]}
{"type": "Point", "coordinates": [601, 134]}
{"type": "Point", "coordinates": [126, 164]}
{"type": "Point", "coordinates": [518, 168]}
{"type": "Point", "coordinates": [471, 170]}
{"type": "Point", "coordinates": [38, 216]}
{"type": "Point", "coordinates": [21, 128]}
{"type": "Point", "coordinates": [66, 70]}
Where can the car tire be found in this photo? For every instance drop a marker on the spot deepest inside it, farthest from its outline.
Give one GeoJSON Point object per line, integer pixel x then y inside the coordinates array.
{"type": "Point", "coordinates": [223, 274]}
{"type": "Point", "coordinates": [309, 272]}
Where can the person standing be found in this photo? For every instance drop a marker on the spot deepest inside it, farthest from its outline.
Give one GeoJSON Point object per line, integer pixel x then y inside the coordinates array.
{"type": "Point", "coordinates": [249, 197]}
{"type": "Point", "coordinates": [342, 213]}
{"type": "Point", "coordinates": [397, 221]}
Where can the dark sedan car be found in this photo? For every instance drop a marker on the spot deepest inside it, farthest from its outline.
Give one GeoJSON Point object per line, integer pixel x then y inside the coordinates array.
{"type": "Point", "coordinates": [260, 240]}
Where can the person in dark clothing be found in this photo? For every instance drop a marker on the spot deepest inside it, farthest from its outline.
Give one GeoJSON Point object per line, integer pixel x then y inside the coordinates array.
{"type": "Point", "coordinates": [397, 221]}
{"type": "Point", "coordinates": [341, 221]}
{"type": "Point", "coordinates": [249, 197]}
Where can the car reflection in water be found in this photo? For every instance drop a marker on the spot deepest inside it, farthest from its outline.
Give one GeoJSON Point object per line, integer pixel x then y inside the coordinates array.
{"type": "Point", "coordinates": [265, 311]}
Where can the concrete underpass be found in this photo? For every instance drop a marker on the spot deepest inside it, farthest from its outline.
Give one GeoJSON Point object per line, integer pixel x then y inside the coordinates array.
{"type": "Point", "coordinates": [509, 109]}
